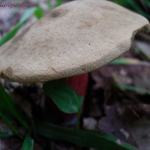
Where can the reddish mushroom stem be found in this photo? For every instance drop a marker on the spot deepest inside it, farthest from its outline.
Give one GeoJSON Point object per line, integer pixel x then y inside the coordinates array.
{"type": "Point", "coordinates": [79, 84]}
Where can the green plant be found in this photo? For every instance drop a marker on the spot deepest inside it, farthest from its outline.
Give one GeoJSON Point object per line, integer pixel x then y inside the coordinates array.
{"type": "Point", "coordinates": [28, 143]}
{"type": "Point", "coordinates": [72, 103]}
{"type": "Point", "coordinates": [140, 6]}
{"type": "Point", "coordinates": [95, 139]}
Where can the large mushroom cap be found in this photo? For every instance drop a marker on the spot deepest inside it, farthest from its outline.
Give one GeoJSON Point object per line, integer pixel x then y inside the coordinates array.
{"type": "Point", "coordinates": [73, 39]}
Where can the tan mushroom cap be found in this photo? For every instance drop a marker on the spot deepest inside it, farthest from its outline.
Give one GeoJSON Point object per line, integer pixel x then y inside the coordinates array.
{"type": "Point", "coordinates": [75, 38]}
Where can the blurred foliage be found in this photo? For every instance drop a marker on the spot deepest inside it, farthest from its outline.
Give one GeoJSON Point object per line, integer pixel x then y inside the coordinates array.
{"type": "Point", "coordinates": [10, 112]}
{"type": "Point", "coordinates": [143, 8]}
{"type": "Point", "coordinates": [129, 61]}
{"type": "Point", "coordinates": [132, 88]}
{"type": "Point", "coordinates": [28, 143]}
{"type": "Point", "coordinates": [37, 11]}
{"type": "Point", "coordinates": [5, 135]}
{"type": "Point", "coordinates": [140, 6]}
{"type": "Point", "coordinates": [94, 139]}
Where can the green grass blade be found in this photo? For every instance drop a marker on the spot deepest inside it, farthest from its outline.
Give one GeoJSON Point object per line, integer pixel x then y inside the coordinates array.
{"type": "Point", "coordinates": [137, 8]}
{"type": "Point", "coordinates": [5, 135]}
{"type": "Point", "coordinates": [123, 3]}
{"type": "Point", "coordinates": [114, 139]}
{"type": "Point", "coordinates": [81, 137]}
{"type": "Point", "coordinates": [132, 88]}
{"type": "Point", "coordinates": [59, 2]}
{"type": "Point", "coordinates": [49, 5]}
{"type": "Point", "coordinates": [28, 143]}
{"type": "Point", "coordinates": [8, 108]}
{"type": "Point", "coordinates": [27, 14]}
{"type": "Point", "coordinates": [147, 2]}
{"type": "Point", "coordinates": [13, 32]}
{"type": "Point", "coordinates": [10, 124]}
{"type": "Point", "coordinates": [63, 96]}
{"type": "Point", "coordinates": [133, 6]}
{"type": "Point", "coordinates": [10, 35]}
{"type": "Point", "coordinates": [141, 52]}
{"type": "Point", "coordinates": [129, 61]}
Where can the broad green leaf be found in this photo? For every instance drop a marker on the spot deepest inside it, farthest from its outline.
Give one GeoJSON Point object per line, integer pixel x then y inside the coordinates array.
{"type": "Point", "coordinates": [5, 135]}
{"type": "Point", "coordinates": [28, 143]}
{"type": "Point", "coordinates": [129, 61]}
{"type": "Point", "coordinates": [9, 110]}
{"type": "Point", "coordinates": [66, 99]}
{"type": "Point", "coordinates": [26, 15]}
{"type": "Point", "coordinates": [132, 88]}
{"type": "Point", "coordinates": [59, 2]}
{"type": "Point", "coordinates": [93, 139]}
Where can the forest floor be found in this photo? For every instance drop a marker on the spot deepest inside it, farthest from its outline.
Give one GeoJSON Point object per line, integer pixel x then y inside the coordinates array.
{"type": "Point", "coordinates": [110, 107]}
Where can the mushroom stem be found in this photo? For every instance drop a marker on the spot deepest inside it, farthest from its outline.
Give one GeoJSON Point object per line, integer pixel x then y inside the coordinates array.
{"type": "Point", "coordinates": [79, 84]}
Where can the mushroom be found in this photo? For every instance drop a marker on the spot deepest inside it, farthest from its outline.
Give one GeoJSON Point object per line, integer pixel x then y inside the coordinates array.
{"type": "Point", "coordinates": [73, 39]}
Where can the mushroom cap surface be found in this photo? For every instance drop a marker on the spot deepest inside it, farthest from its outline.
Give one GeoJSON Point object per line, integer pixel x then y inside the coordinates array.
{"type": "Point", "coordinates": [73, 39]}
